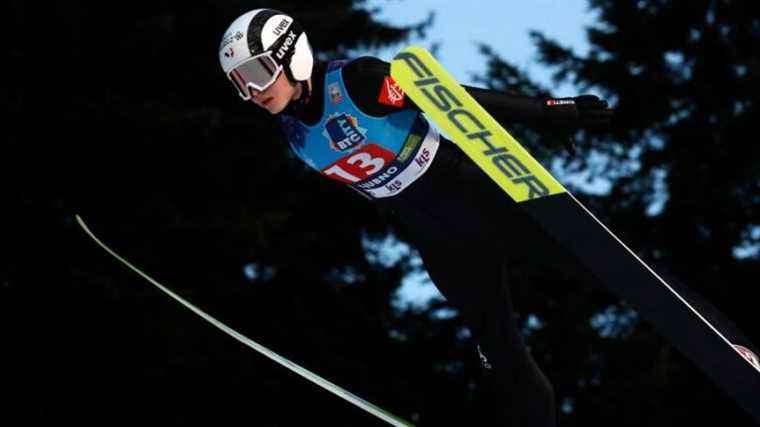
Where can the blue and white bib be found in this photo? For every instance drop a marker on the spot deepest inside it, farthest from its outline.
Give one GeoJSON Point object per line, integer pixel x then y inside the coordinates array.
{"type": "Point", "coordinates": [378, 156]}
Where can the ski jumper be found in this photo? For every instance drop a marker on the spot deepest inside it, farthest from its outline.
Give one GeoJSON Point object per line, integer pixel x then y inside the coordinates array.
{"type": "Point", "coordinates": [353, 124]}
{"type": "Point", "coordinates": [390, 154]}
{"type": "Point", "coordinates": [472, 238]}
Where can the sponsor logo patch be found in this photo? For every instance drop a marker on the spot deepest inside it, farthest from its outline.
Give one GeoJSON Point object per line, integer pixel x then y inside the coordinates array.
{"type": "Point", "coordinates": [410, 147]}
{"type": "Point", "coordinates": [391, 93]}
{"type": "Point", "coordinates": [554, 102]}
{"type": "Point", "coordinates": [388, 178]}
{"type": "Point", "coordinates": [336, 96]}
{"type": "Point", "coordinates": [344, 133]}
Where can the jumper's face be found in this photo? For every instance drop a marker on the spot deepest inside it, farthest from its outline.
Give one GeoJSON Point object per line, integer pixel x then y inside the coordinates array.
{"type": "Point", "coordinates": [276, 97]}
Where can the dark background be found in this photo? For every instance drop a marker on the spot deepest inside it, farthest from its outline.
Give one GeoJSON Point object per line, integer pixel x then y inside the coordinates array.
{"type": "Point", "coordinates": [120, 113]}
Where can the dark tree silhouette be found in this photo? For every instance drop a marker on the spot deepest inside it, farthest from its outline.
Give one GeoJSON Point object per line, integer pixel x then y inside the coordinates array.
{"type": "Point", "coordinates": [120, 113]}
{"type": "Point", "coordinates": [683, 183]}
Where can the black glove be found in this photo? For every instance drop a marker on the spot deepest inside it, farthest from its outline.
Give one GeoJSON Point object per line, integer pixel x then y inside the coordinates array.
{"type": "Point", "coordinates": [585, 111]}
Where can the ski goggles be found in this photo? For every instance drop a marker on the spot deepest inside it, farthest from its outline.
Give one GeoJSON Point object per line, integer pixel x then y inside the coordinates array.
{"type": "Point", "coordinates": [258, 72]}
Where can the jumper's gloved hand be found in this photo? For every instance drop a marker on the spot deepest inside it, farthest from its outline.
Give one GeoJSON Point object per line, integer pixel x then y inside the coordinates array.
{"type": "Point", "coordinates": [585, 111]}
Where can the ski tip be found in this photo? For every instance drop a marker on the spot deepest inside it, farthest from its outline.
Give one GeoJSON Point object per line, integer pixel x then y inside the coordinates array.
{"type": "Point", "coordinates": [81, 223]}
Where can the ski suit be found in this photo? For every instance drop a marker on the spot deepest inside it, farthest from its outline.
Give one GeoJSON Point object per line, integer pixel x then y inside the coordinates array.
{"type": "Point", "coordinates": [357, 128]}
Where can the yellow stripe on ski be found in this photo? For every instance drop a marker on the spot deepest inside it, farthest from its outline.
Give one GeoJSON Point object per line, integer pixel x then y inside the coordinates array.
{"type": "Point", "coordinates": [470, 126]}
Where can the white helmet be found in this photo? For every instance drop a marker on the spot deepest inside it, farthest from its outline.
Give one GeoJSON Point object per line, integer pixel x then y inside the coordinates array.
{"type": "Point", "coordinates": [260, 44]}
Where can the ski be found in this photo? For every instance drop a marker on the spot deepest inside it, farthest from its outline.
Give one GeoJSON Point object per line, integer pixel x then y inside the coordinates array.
{"type": "Point", "coordinates": [729, 363]}
{"type": "Point", "coordinates": [316, 379]}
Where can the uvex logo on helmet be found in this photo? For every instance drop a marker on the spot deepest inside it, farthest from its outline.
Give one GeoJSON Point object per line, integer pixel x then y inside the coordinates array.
{"type": "Point", "coordinates": [282, 26]}
{"type": "Point", "coordinates": [286, 45]}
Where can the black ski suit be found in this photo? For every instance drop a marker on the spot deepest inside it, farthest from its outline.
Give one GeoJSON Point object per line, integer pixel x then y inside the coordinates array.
{"type": "Point", "coordinates": [458, 219]}
{"type": "Point", "coordinates": [471, 237]}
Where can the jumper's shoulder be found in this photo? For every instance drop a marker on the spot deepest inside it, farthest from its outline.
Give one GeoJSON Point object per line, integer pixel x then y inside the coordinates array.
{"type": "Point", "coordinates": [365, 72]}
{"type": "Point", "coordinates": [368, 66]}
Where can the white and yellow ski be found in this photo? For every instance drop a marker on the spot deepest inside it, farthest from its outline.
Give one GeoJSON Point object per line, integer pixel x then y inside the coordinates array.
{"type": "Point", "coordinates": [720, 351]}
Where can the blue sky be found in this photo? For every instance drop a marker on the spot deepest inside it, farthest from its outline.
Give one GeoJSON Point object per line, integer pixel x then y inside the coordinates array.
{"type": "Point", "coordinates": [505, 26]}
{"type": "Point", "coordinates": [502, 24]}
